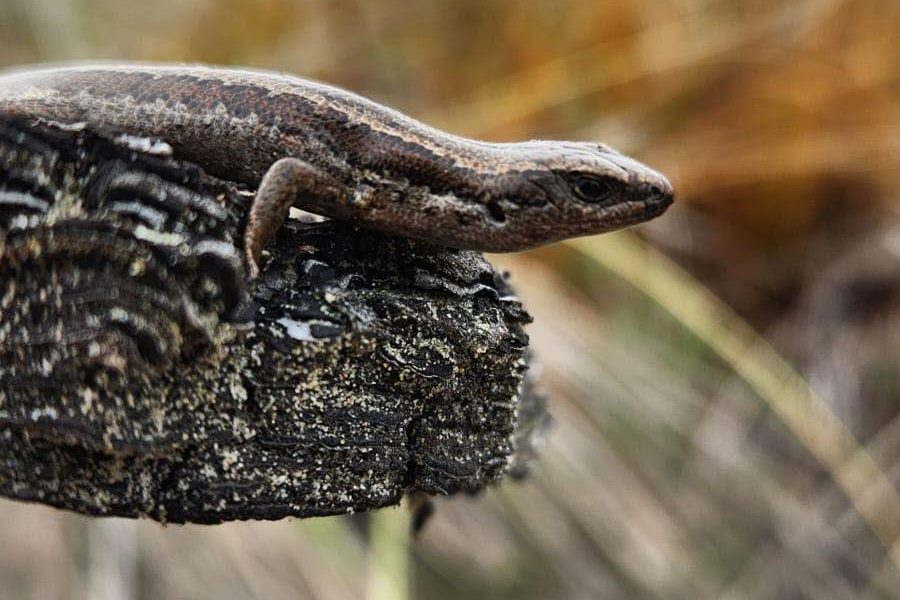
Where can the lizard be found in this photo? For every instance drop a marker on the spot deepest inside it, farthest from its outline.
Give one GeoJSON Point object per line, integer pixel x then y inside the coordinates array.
{"type": "Point", "coordinates": [302, 143]}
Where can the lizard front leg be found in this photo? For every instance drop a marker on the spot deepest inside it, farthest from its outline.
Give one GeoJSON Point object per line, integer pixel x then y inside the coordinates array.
{"type": "Point", "coordinates": [288, 181]}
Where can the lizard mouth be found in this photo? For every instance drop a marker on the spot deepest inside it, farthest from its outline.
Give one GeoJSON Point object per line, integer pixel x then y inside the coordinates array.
{"type": "Point", "coordinates": [634, 212]}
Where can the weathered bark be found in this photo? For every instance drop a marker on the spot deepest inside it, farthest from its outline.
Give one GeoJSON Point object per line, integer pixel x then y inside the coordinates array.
{"type": "Point", "coordinates": [140, 375]}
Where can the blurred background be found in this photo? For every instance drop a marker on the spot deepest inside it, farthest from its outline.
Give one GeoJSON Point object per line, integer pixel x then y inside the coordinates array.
{"type": "Point", "coordinates": [724, 381]}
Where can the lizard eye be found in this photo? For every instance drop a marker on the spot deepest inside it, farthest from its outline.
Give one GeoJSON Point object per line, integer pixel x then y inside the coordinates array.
{"type": "Point", "coordinates": [593, 189]}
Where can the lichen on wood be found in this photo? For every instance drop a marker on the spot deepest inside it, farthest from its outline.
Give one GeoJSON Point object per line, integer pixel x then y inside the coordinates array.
{"type": "Point", "coordinates": [141, 374]}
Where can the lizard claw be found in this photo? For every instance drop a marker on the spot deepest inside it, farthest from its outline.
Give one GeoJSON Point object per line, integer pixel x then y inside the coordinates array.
{"type": "Point", "coordinates": [252, 261]}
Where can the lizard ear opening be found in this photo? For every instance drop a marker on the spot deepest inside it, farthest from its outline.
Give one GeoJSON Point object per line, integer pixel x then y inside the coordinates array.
{"type": "Point", "coordinates": [497, 213]}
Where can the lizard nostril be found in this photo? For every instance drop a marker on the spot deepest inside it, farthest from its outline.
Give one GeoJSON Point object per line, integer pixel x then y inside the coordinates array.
{"type": "Point", "coordinates": [658, 193]}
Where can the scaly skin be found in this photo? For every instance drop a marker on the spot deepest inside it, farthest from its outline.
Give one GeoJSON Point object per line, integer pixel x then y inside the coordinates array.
{"type": "Point", "coordinates": [334, 153]}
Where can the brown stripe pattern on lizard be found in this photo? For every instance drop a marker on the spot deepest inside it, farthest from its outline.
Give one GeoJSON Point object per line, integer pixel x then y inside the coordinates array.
{"type": "Point", "coordinates": [331, 152]}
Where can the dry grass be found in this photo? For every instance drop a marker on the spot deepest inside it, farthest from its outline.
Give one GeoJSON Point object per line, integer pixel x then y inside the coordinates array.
{"type": "Point", "coordinates": [690, 458]}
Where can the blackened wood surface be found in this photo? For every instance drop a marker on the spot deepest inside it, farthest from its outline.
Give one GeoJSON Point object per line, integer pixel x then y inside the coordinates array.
{"type": "Point", "coordinates": [140, 375]}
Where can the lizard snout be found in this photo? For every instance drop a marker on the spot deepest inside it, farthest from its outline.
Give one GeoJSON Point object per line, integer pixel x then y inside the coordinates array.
{"type": "Point", "coordinates": [658, 193]}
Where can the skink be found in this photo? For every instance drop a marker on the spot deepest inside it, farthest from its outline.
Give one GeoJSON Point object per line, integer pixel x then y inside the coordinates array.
{"type": "Point", "coordinates": [328, 151]}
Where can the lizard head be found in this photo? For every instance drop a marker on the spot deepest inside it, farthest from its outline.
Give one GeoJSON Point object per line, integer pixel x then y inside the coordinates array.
{"type": "Point", "coordinates": [501, 197]}
{"type": "Point", "coordinates": [556, 190]}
